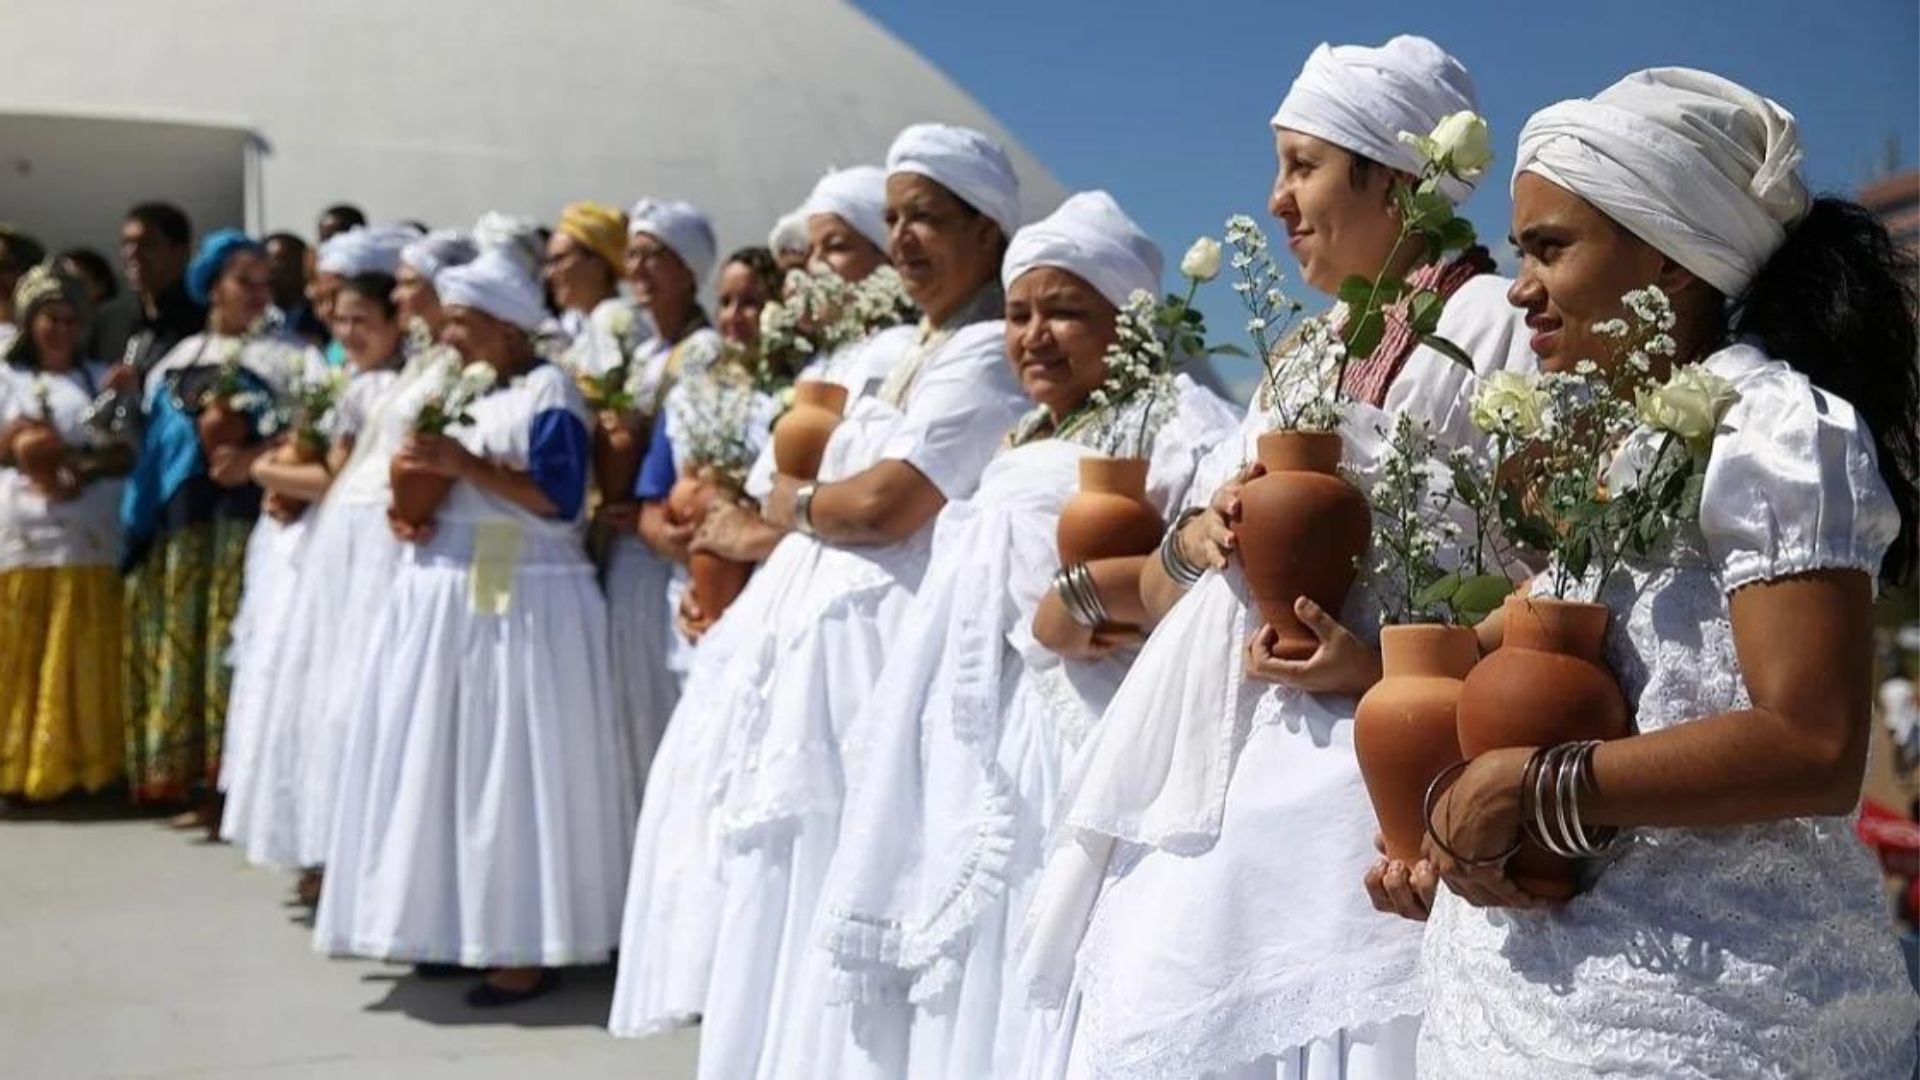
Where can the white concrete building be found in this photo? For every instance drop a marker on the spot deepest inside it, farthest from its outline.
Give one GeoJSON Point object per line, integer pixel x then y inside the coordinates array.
{"type": "Point", "coordinates": [261, 112]}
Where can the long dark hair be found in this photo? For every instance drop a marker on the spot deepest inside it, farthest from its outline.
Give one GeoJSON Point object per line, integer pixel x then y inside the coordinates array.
{"type": "Point", "coordinates": [1838, 302]}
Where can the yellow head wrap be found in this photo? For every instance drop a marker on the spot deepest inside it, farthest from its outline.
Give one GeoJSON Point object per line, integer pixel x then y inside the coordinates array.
{"type": "Point", "coordinates": [601, 228]}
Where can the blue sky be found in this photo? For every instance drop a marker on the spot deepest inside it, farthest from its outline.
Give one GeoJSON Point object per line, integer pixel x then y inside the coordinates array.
{"type": "Point", "coordinates": [1166, 104]}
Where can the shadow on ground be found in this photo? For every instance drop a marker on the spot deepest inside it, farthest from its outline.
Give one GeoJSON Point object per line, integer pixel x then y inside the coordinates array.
{"type": "Point", "coordinates": [581, 1000]}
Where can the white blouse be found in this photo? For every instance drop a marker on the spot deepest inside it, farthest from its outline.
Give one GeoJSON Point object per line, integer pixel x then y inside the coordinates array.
{"type": "Point", "coordinates": [84, 531]}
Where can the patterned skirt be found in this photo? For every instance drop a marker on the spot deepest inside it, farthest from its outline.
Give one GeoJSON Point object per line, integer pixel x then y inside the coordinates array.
{"type": "Point", "coordinates": [60, 702]}
{"type": "Point", "coordinates": [181, 599]}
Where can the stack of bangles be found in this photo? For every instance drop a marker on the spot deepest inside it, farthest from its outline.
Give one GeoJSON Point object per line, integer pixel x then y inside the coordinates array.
{"type": "Point", "coordinates": [1174, 561]}
{"type": "Point", "coordinates": [1077, 592]}
{"type": "Point", "coordinates": [803, 508]}
{"type": "Point", "coordinates": [1550, 790]}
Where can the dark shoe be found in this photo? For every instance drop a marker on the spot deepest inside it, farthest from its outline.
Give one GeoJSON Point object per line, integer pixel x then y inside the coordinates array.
{"type": "Point", "coordinates": [489, 996]}
{"type": "Point", "coordinates": [443, 971]}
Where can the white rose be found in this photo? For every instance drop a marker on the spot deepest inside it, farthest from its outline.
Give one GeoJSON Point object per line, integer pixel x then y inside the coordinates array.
{"type": "Point", "coordinates": [1462, 144]}
{"type": "Point", "coordinates": [478, 376]}
{"type": "Point", "coordinates": [1508, 403]}
{"type": "Point", "coordinates": [1690, 405]}
{"type": "Point", "coordinates": [1202, 260]}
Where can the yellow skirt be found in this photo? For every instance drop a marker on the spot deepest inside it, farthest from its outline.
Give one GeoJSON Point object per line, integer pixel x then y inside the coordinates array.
{"type": "Point", "coordinates": [62, 724]}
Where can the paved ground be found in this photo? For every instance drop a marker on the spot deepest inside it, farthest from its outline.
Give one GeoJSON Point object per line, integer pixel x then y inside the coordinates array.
{"type": "Point", "coordinates": [129, 950]}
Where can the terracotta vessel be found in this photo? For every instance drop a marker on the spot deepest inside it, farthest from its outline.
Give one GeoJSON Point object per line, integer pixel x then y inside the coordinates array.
{"type": "Point", "coordinates": [417, 494]}
{"type": "Point", "coordinates": [38, 451]}
{"type": "Point", "coordinates": [1109, 517]}
{"type": "Point", "coordinates": [1405, 730]}
{"type": "Point", "coordinates": [220, 425]}
{"type": "Point", "coordinates": [716, 582]}
{"type": "Point", "coordinates": [800, 436]}
{"type": "Point", "coordinates": [687, 501]}
{"type": "Point", "coordinates": [299, 450]}
{"type": "Point", "coordinates": [1546, 684]}
{"type": "Point", "coordinates": [617, 453]}
{"type": "Point", "coordinates": [1303, 530]}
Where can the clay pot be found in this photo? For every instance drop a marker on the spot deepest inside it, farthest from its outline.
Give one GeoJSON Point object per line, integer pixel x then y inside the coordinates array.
{"type": "Point", "coordinates": [1303, 530]}
{"type": "Point", "coordinates": [1109, 517]}
{"type": "Point", "coordinates": [800, 436]}
{"type": "Point", "coordinates": [617, 453]}
{"type": "Point", "coordinates": [1405, 729]}
{"type": "Point", "coordinates": [687, 501]}
{"type": "Point", "coordinates": [219, 425]}
{"type": "Point", "coordinates": [716, 582]}
{"type": "Point", "coordinates": [417, 493]}
{"type": "Point", "coordinates": [1546, 684]}
{"type": "Point", "coordinates": [299, 450]}
{"type": "Point", "coordinates": [38, 452]}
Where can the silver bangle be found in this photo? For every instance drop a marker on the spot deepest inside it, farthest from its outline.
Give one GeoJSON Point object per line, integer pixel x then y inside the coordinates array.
{"type": "Point", "coordinates": [1558, 776]}
{"type": "Point", "coordinates": [1074, 584]}
{"type": "Point", "coordinates": [803, 508]}
{"type": "Point", "coordinates": [1172, 559]}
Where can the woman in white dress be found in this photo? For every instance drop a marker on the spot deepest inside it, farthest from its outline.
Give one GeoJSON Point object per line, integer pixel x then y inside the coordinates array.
{"type": "Point", "coordinates": [674, 891]}
{"type": "Point", "coordinates": [262, 627]}
{"type": "Point", "coordinates": [670, 251]}
{"type": "Point", "coordinates": [1196, 871]}
{"type": "Point", "coordinates": [990, 682]}
{"type": "Point", "coordinates": [483, 812]}
{"type": "Point", "coordinates": [280, 815]}
{"type": "Point", "coordinates": [893, 462]}
{"type": "Point", "coordinates": [1735, 926]}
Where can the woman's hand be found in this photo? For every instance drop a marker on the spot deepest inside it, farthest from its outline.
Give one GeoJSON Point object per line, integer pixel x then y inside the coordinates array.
{"type": "Point", "coordinates": [439, 455]}
{"type": "Point", "coordinates": [778, 509]}
{"type": "Point", "coordinates": [280, 508]}
{"type": "Point", "coordinates": [1478, 817]}
{"type": "Point", "coordinates": [1398, 889]}
{"type": "Point", "coordinates": [1343, 664]}
{"type": "Point", "coordinates": [409, 534]}
{"type": "Point", "coordinates": [725, 532]}
{"type": "Point", "coordinates": [232, 466]}
{"type": "Point", "coordinates": [64, 486]}
{"type": "Point", "coordinates": [1064, 636]}
{"type": "Point", "coordinates": [1208, 540]}
{"type": "Point", "coordinates": [692, 623]}
{"type": "Point", "coordinates": [621, 518]}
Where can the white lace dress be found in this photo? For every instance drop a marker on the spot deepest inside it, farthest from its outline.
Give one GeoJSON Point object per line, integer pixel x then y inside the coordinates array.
{"type": "Point", "coordinates": [945, 827]}
{"type": "Point", "coordinates": [1763, 950]}
{"type": "Point", "coordinates": [1201, 912]}
{"type": "Point", "coordinates": [945, 409]}
{"type": "Point", "coordinates": [484, 813]}
{"type": "Point", "coordinates": [674, 889]}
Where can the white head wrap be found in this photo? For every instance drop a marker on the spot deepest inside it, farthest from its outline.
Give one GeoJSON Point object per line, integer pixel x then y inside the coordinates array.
{"type": "Point", "coordinates": [682, 227]}
{"type": "Point", "coordinates": [858, 196]}
{"type": "Point", "coordinates": [1361, 98]}
{"type": "Point", "coordinates": [1703, 169]}
{"type": "Point", "coordinates": [518, 236]}
{"type": "Point", "coordinates": [789, 234]}
{"type": "Point", "coordinates": [1090, 237]}
{"type": "Point", "coordinates": [964, 162]}
{"type": "Point", "coordinates": [437, 251]}
{"type": "Point", "coordinates": [366, 249]}
{"type": "Point", "coordinates": [496, 284]}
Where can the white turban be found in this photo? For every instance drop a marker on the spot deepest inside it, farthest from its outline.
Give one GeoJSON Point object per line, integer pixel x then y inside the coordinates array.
{"type": "Point", "coordinates": [366, 249]}
{"type": "Point", "coordinates": [789, 234]}
{"type": "Point", "coordinates": [437, 251]}
{"type": "Point", "coordinates": [1361, 98]}
{"type": "Point", "coordinates": [682, 227]}
{"type": "Point", "coordinates": [496, 284]}
{"type": "Point", "coordinates": [858, 196]}
{"type": "Point", "coordinates": [1090, 237]}
{"type": "Point", "coordinates": [518, 236]}
{"type": "Point", "coordinates": [964, 162]}
{"type": "Point", "coordinates": [1703, 169]}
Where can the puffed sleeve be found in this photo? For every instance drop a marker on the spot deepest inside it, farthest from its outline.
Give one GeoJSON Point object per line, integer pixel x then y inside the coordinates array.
{"type": "Point", "coordinates": [1792, 484]}
{"type": "Point", "coordinates": [962, 404]}
{"type": "Point", "coordinates": [558, 448]}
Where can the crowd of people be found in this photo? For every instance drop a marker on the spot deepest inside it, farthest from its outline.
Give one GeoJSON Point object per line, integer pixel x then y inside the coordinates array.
{"type": "Point", "coordinates": [459, 574]}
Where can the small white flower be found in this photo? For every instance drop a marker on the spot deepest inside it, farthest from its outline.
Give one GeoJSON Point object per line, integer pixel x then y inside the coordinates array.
{"type": "Point", "coordinates": [1202, 260]}
{"type": "Point", "coordinates": [478, 377]}
{"type": "Point", "coordinates": [1611, 328]}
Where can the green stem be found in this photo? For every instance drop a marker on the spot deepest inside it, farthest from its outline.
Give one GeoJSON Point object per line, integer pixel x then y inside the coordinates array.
{"type": "Point", "coordinates": [1373, 294]}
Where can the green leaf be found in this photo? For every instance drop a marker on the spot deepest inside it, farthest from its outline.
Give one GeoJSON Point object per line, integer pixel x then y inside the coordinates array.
{"type": "Point", "coordinates": [1447, 349]}
{"type": "Point", "coordinates": [1228, 350]}
{"type": "Point", "coordinates": [1365, 335]}
{"type": "Point", "coordinates": [1355, 290]}
{"type": "Point", "coordinates": [1482, 593]}
{"type": "Point", "coordinates": [1456, 235]}
{"type": "Point", "coordinates": [1428, 209]}
{"type": "Point", "coordinates": [1440, 591]}
{"type": "Point", "coordinates": [1423, 311]}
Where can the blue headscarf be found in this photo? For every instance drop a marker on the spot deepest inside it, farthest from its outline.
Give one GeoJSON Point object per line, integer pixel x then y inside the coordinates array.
{"type": "Point", "coordinates": [215, 249]}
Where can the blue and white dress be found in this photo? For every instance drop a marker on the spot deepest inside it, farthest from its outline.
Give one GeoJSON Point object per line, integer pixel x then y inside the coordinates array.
{"type": "Point", "coordinates": [484, 808]}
